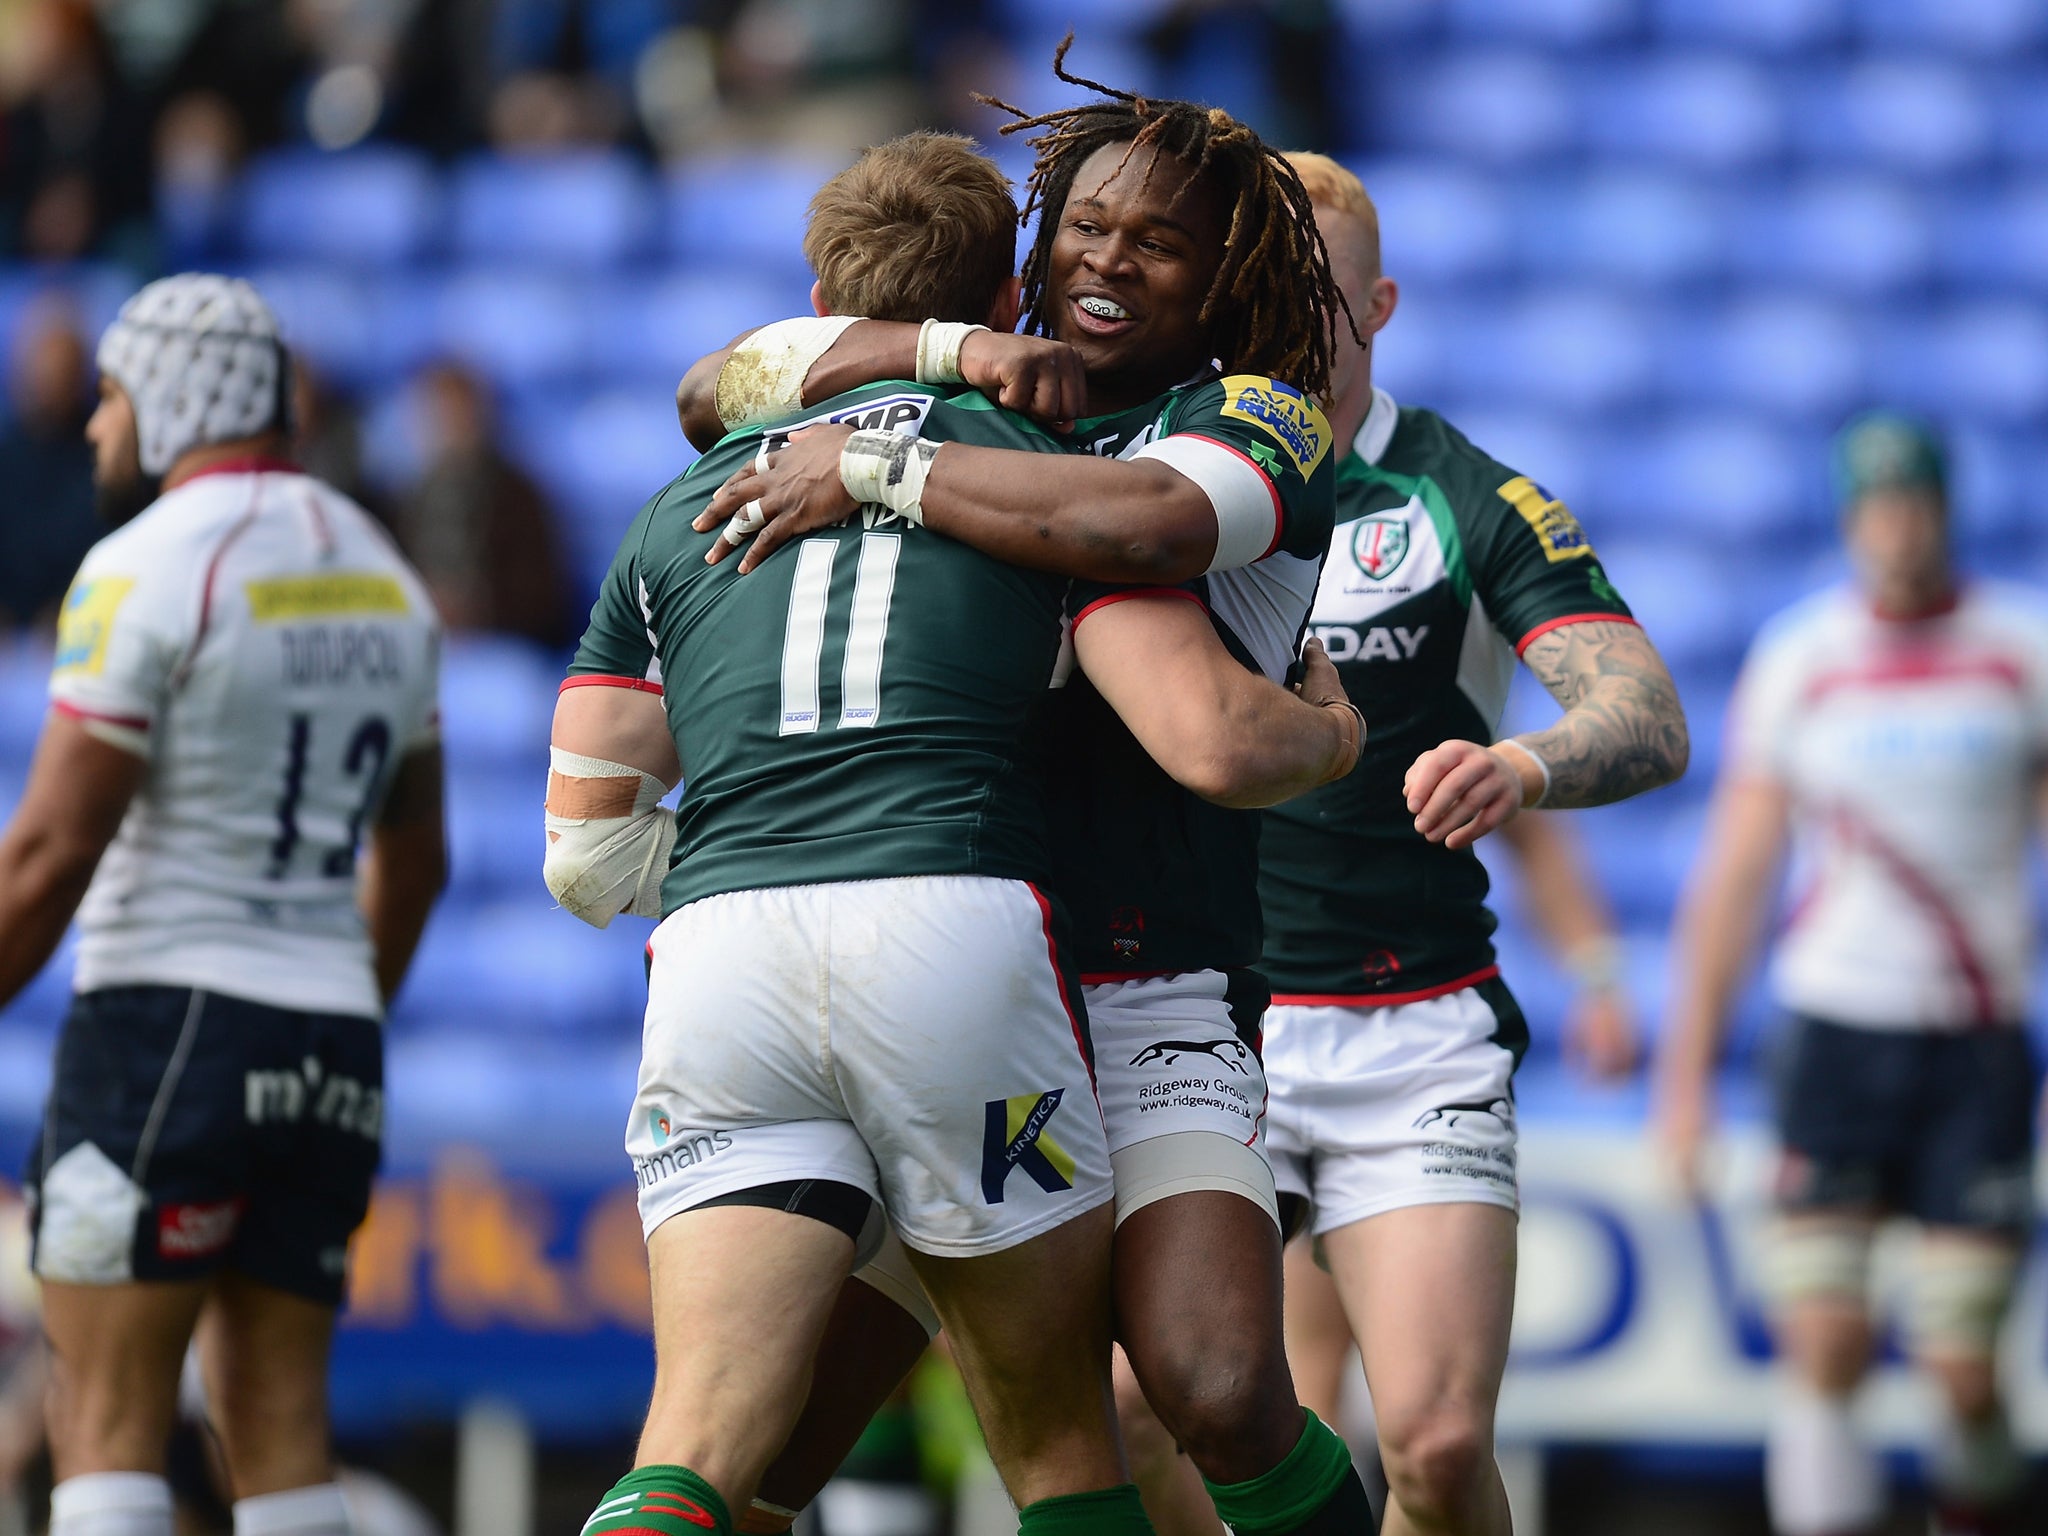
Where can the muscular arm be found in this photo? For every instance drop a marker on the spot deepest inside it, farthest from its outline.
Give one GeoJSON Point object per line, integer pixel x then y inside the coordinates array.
{"type": "Point", "coordinates": [1623, 730]}
{"type": "Point", "coordinates": [1107, 520]}
{"type": "Point", "coordinates": [1718, 927]}
{"type": "Point", "coordinates": [78, 790]}
{"type": "Point", "coordinates": [404, 867]}
{"type": "Point", "coordinates": [618, 725]}
{"type": "Point", "coordinates": [609, 836]}
{"type": "Point", "coordinates": [1216, 727]}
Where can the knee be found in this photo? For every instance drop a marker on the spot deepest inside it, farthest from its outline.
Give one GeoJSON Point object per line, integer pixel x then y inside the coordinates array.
{"type": "Point", "coordinates": [1234, 1413]}
{"type": "Point", "coordinates": [1437, 1458]}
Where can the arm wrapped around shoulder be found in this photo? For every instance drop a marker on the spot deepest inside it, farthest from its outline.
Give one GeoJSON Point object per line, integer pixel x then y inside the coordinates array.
{"type": "Point", "coordinates": [609, 838]}
{"type": "Point", "coordinates": [764, 376]}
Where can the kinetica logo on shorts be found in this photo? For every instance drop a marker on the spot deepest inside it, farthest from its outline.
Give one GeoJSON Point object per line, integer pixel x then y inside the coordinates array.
{"type": "Point", "coordinates": [1015, 1138]}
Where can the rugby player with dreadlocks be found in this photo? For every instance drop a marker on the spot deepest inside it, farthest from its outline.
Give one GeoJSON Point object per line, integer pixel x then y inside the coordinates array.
{"type": "Point", "coordinates": [1172, 236]}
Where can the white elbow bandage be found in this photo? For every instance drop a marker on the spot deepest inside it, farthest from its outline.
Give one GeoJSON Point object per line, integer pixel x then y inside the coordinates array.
{"type": "Point", "coordinates": [887, 469]}
{"type": "Point", "coordinates": [609, 838]}
{"type": "Point", "coordinates": [938, 350]}
{"type": "Point", "coordinates": [764, 376]}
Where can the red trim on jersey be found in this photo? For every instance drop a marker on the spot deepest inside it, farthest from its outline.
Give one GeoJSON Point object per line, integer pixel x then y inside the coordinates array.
{"type": "Point", "coordinates": [1918, 666]}
{"type": "Point", "coordinates": [1124, 597]}
{"type": "Point", "coordinates": [254, 464]}
{"type": "Point", "coordinates": [1948, 922]}
{"type": "Point", "coordinates": [608, 680]}
{"type": "Point", "coordinates": [220, 552]}
{"type": "Point", "coordinates": [1059, 976]}
{"type": "Point", "coordinates": [1548, 625]}
{"type": "Point", "coordinates": [1111, 978]}
{"type": "Point", "coordinates": [129, 722]}
{"type": "Point", "coordinates": [1381, 999]}
{"type": "Point", "coordinates": [1272, 490]}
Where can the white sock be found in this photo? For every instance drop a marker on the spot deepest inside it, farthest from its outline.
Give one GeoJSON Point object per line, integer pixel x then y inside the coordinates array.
{"type": "Point", "coordinates": [111, 1504]}
{"type": "Point", "coordinates": [314, 1511]}
{"type": "Point", "coordinates": [1820, 1479]}
{"type": "Point", "coordinates": [1975, 1465]}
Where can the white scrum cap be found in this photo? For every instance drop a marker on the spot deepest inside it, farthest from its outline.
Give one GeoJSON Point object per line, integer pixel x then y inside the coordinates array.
{"type": "Point", "coordinates": [200, 359]}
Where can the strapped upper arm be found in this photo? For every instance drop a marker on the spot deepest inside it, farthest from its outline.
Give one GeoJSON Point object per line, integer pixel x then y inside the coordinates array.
{"type": "Point", "coordinates": [625, 724]}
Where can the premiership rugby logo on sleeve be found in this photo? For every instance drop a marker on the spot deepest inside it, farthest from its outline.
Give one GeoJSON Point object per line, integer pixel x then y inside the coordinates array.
{"type": "Point", "coordinates": [1548, 518]}
{"type": "Point", "coordinates": [1283, 413]}
{"type": "Point", "coordinates": [86, 622]}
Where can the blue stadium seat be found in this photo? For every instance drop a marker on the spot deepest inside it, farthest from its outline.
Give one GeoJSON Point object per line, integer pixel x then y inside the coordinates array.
{"type": "Point", "coordinates": [1990, 359]}
{"type": "Point", "coordinates": [1571, 347]}
{"type": "Point", "coordinates": [1085, 18]}
{"type": "Point", "coordinates": [330, 316]}
{"type": "Point", "coordinates": [1418, 356]}
{"type": "Point", "coordinates": [521, 328]}
{"type": "Point", "coordinates": [372, 206]}
{"type": "Point", "coordinates": [1546, 447]}
{"type": "Point", "coordinates": [1686, 588]}
{"type": "Point", "coordinates": [1627, 226]}
{"type": "Point", "coordinates": [1733, 480]}
{"type": "Point", "coordinates": [588, 209]}
{"type": "Point", "coordinates": [1999, 240]}
{"type": "Point", "coordinates": [1863, 235]}
{"type": "Point", "coordinates": [1991, 29]}
{"type": "Point", "coordinates": [1371, 23]}
{"type": "Point", "coordinates": [2022, 106]}
{"type": "Point", "coordinates": [604, 455]}
{"type": "Point", "coordinates": [654, 330]}
{"type": "Point", "coordinates": [1783, 352]}
{"type": "Point", "coordinates": [1555, 23]}
{"type": "Point", "coordinates": [1495, 108]}
{"type": "Point", "coordinates": [1704, 111]}
{"type": "Point", "coordinates": [24, 697]}
{"type": "Point", "coordinates": [1919, 117]}
{"type": "Point", "coordinates": [497, 698]}
{"type": "Point", "coordinates": [1996, 485]}
{"type": "Point", "coordinates": [743, 210]}
{"type": "Point", "coordinates": [1439, 221]}
{"type": "Point", "coordinates": [494, 826]}
{"type": "Point", "coordinates": [1765, 26]}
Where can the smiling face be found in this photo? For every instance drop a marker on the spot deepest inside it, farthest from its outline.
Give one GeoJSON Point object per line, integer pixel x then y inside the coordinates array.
{"type": "Point", "coordinates": [1132, 259]}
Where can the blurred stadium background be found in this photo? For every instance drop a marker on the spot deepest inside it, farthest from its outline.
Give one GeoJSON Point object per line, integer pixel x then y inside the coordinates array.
{"type": "Point", "coordinates": [1653, 252]}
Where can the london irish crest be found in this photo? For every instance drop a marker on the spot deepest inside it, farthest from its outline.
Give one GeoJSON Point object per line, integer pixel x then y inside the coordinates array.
{"type": "Point", "coordinates": [1379, 544]}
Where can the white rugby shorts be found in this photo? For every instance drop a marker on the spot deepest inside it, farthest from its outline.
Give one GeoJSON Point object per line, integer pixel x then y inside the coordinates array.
{"type": "Point", "coordinates": [1376, 1109]}
{"type": "Point", "coordinates": [910, 1037]}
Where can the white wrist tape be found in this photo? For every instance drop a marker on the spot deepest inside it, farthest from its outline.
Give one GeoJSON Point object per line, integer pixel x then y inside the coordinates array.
{"type": "Point", "coordinates": [938, 350]}
{"type": "Point", "coordinates": [887, 469]}
{"type": "Point", "coordinates": [764, 376]}
{"type": "Point", "coordinates": [613, 858]}
{"type": "Point", "coordinates": [1541, 767]}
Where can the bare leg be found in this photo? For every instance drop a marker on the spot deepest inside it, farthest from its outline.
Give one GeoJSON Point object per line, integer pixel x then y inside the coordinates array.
{"type": "Point", "coordinates": [115, 1355]}
{"type": "Point", "coordinates": [1430, 1292]}
{"type": "Point", "coordinates": [1318, 1334]}
{"type": "Point", "coordinates": [264, 1356]}
{"type": "Point", "coordinates": [1029, 1328]}
{"type": "Point", "coordinates": [741, 1295]}
{"type": "Point", "coordinates": [1174, 1496]}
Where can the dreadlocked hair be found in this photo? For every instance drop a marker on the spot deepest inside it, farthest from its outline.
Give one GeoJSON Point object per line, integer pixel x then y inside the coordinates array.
{"type": "Point", "coordinates": [1273, 306]}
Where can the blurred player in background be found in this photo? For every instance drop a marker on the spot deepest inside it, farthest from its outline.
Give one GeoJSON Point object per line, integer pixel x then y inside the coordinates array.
{"type": "Point", "coordinates": [875, 829]}
{"type": "Point", "coordinates": [244, 694]}
{"type": "Point", "coordinates": [1172, 237]}
{"type": "Point", "coordinates": [1892, 733]}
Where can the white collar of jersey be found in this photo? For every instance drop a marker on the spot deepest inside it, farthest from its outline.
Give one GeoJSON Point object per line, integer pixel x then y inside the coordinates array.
{"type": "Point", "coordinates": [1378, 429]}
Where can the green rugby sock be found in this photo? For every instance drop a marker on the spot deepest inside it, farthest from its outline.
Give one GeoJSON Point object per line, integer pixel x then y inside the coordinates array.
{"type": "Point", "coordinates": [660, 1501]}
{"type": "Point", "coordinates": [1114, 1511]}
{"type": "Point", "coordinates": [1315, 1491]}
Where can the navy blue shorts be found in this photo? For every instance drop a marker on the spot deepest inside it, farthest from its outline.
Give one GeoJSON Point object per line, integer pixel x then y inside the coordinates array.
{"type": "Point", "coordinates": [188, 1132]}
{"type": "Point", "coordinates": [1939, 1127]}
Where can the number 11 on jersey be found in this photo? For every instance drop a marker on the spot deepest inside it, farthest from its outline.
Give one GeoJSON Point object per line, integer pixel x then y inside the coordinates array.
{"type": "Point", "coordinates": [803, 638]}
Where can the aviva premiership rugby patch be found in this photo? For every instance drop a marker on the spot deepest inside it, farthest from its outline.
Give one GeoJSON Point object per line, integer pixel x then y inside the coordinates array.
{"type": "Point", "coordinates": [87, 621]}
{"type": "Point", "coordinates": [1550, 519]}
{"type": "Point", "coordinates": [1283, 413]}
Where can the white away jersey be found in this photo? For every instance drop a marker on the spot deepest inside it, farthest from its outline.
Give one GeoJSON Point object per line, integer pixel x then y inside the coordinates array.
{"type": "Point", "coordinates": [259, 638]}
{"type": "Point", "coordinates": [1911, 752]}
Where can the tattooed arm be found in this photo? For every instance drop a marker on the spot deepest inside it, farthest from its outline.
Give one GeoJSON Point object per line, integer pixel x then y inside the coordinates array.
{"type": "Point", "coordinates": [1622, 733]}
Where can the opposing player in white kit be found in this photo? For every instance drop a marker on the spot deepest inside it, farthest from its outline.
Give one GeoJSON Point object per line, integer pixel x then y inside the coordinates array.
{"type": "Point", "coordinates": [1893, 733]}
{"type": "Point", "coordinates": [243, 695]}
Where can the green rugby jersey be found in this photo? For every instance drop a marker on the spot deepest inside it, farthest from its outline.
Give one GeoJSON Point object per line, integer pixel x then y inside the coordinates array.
{"type": "Point", "coordinates": [1444, 565]}
{"type": "Point", "coordinates": [855, 708]}
{"type": "Point", "coordinates": [1156, 879]}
